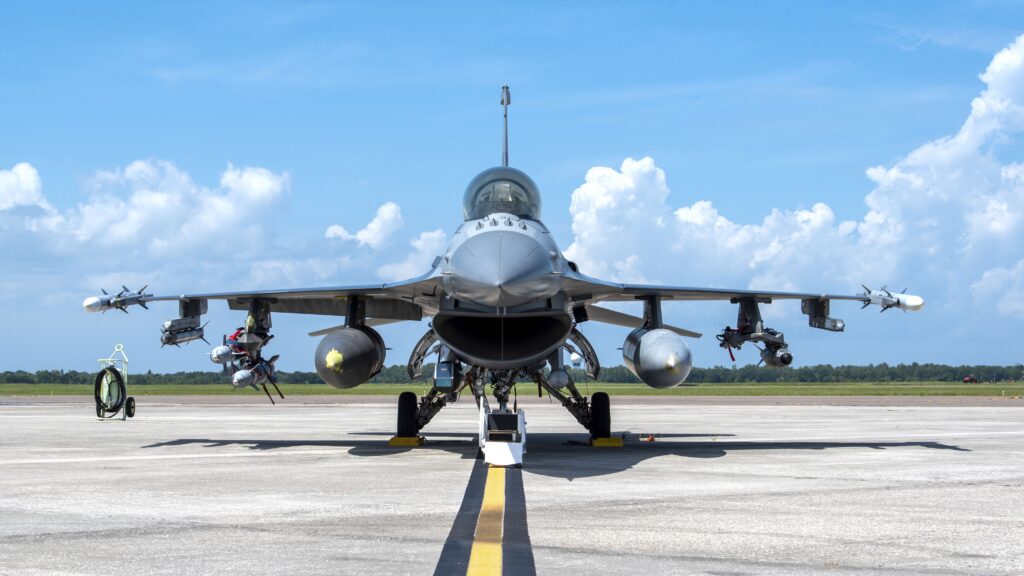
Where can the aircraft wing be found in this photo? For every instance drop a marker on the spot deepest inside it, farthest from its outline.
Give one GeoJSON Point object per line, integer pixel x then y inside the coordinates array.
{"type": "Point", "coordinates": [583, 288]}
{"type": "Point", "coordinates": [394, 301]}
{"type": "Point", "coordinates": [608, 291]}
{"type": "Point", "coordinates": [607, 316]}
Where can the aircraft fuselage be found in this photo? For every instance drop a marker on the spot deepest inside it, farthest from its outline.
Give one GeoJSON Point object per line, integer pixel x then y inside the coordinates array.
{"type": "Point", "coordinates": [503, 307]}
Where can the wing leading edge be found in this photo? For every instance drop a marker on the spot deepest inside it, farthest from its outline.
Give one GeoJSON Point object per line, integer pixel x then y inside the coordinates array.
{"type": "Point", "coordinates": [583, 288]}
{"type": "Point", "coordinates": [396, 301]}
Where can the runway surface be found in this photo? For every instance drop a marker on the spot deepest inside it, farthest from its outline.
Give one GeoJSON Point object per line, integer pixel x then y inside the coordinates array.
{"type": "Point", "coordinates": [313, 488]}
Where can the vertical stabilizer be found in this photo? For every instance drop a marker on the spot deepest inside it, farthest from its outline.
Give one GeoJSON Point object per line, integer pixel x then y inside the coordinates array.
{"type": "Point", "coordinates": [506, 99]}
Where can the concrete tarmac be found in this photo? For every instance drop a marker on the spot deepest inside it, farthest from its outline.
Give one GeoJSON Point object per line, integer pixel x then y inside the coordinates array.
{"type": "Point", "coordinates": [300, 488]}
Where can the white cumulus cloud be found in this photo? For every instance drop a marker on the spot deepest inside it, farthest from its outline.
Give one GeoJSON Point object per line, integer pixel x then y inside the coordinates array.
{"type": "Point", "coordinates": [292, 272]}
{"type": "Point", "coordinates": [425, 248]}
{"type": "Point", "coordinates": [1003, 287]}
{"type": "Point", "coordinates": [155, 205]}
{"type": "Point", "coordinates": [607, 211]}
{"type": "Point", "coordinates": [945, 219]}
{"type": "Point", "coordinates": [377, 232]}
{"type": "Point", "coordinates": [21, 186]}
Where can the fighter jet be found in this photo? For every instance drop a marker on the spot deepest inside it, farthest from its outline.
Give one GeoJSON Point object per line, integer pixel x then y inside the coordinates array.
{"type": "Point", "coordinates": [506, 307]}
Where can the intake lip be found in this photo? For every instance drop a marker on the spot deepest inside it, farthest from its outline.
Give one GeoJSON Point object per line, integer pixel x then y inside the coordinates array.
{"type": "Point", "coordinates": [502, 342]}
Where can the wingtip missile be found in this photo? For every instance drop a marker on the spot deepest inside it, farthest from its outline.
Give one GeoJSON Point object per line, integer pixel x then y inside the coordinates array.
{"type": "Point", "coordinates": [910, 302]}
{"type": "Point", "coordinates": [121, 301]}
{"type": "Point", "coordinates": [97, 303]}
{"type": "Point", "coordinates": [886, 300]}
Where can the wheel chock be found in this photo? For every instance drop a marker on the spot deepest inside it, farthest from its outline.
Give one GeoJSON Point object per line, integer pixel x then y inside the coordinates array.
{"type": "Point", "coordinates": [611, 442]}
{"type": "Point", "coordinates": [406, 441]}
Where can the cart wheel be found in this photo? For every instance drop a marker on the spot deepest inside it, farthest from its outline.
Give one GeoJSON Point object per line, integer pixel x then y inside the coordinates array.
{"type": "Point", "coordinates": [129, 407]}
{"type": "Point", "coordinates": [99, 410]}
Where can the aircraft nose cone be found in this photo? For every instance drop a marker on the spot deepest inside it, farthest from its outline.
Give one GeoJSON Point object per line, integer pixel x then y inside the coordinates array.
{"type": "Point", "coordinates": [501, 268]}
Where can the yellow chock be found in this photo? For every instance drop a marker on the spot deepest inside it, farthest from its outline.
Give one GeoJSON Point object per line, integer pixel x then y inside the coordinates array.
{"type": "Point", "coordinates": [406, 441]}
{"type": "Point", "coordinates": [607, 442]}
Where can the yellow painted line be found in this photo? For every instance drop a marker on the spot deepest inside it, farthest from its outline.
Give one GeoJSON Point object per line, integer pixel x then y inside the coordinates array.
{"type": "Point", "coordinates": [485, 556]}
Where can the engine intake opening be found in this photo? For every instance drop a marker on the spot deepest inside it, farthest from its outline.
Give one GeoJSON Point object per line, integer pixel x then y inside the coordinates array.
{"type": "Point", "coordinates": [503, 342]}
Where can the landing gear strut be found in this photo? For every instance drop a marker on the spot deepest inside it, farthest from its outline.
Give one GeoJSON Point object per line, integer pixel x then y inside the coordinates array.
{"type": "Point", "coordinates": [594, 415]}
{"type": "Point", "coordinates": [414, 415]}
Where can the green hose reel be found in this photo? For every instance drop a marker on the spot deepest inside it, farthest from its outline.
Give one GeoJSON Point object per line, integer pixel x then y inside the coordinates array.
{"type": "Point", "coordinates": [111, 389]}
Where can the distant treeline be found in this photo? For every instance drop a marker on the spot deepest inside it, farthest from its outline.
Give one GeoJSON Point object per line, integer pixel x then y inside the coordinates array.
{"type": "Point", "coordinates": [397, 375]}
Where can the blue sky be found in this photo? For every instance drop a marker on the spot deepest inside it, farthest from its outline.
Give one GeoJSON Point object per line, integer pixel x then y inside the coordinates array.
{"type": "Point", "coordinates": [211, 146]}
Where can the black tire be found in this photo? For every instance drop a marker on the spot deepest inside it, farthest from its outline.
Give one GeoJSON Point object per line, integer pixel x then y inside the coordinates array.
{"type": "Point", "coordinates": [101, 407]}
{"type": "Point", "coordinates": [129, 407]}
{"type": "Point", "coordinates": [407, 414]}
{"type": "Point", "coordinates": [600, 415]}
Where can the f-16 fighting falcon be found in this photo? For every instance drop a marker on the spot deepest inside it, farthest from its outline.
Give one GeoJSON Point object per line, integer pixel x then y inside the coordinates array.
{"type": "Point", "coordinates": [506, 307]}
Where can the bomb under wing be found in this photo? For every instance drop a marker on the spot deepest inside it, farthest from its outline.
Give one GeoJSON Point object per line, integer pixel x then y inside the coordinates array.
{"type": "Point", "coordinates": [349, 356]}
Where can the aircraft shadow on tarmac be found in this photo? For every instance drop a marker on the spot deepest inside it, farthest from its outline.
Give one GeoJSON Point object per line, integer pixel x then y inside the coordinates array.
{"type": "Point", "coordinates": [563, 455]}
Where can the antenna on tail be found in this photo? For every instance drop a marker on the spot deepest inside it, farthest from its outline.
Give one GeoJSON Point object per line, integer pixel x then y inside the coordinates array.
{"type": "Point", "coordinates": [506, 99]}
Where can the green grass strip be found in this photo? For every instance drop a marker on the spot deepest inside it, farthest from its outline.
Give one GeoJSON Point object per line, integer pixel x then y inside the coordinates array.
{"type": "Point", "coordinates": [740, 389]}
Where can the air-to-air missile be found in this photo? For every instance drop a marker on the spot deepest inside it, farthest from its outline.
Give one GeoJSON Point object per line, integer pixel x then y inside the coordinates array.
{"type": "Point", "coordinates": [120, 301]}
{"type": "Point", "coordinates": [887, 300]}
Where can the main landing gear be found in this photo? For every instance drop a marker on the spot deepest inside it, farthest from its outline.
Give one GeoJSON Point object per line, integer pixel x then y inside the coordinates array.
{"type": "Point", "coordinates": [407, 415]}
{"type": "Point", "coordinates": [595, 414]}
{"type": "Point", "coordinates": [600, 415]}
{"type": "Point", "coordinates": [414, 414]}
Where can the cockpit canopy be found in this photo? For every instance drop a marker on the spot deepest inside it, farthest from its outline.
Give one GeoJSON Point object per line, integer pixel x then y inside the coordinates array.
{"type": "Point", "coordinates": [501, 189]}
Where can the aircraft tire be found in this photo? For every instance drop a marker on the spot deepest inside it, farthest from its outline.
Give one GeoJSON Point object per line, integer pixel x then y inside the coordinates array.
{"type": "Point", "coordinates": [129, 407]}
{"type": "Point", "coordinates": [407, 414]}
{"type": "Point", "coordinates": [600, 415]}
